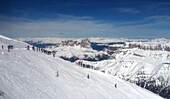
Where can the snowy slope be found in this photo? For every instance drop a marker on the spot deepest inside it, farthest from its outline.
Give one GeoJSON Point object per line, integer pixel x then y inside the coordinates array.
{"type": "Point", "coordinates": [5, 41]}
{"type": "Point", "coordinates": [32, 75]}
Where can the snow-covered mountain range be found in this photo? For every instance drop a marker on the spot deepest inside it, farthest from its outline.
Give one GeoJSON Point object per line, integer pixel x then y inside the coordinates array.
{"type": "Point", "coordinates": [149, 69]}
{"type": "Point", "coordinates": [140, 61]}
{"type": "Point", "coordinates": [28, 74]}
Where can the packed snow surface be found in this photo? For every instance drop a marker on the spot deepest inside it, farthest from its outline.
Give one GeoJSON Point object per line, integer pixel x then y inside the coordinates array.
{"type": "Point", "coordinates": [27, 74]}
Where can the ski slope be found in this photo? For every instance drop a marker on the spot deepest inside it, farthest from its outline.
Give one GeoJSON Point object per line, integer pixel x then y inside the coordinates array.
{"type": "Point", "coordinates": [32, 75]}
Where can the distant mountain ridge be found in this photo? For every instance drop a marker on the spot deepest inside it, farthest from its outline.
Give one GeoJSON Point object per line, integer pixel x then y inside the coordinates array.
{"type": "Point", "coordinates": [85, 43]}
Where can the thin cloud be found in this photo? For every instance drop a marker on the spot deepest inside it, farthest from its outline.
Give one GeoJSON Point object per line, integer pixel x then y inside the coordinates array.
{"type": "Point", "coordinates": [158, 5]}
{"type": "Point", "coordinates": [68, 25]}
{"type": "Point", "coordinates": [76, 26]}
{"type": "Point", "coordinates": [73, 17]}
{"type": "Point", "coordinates": [159, 18]}
{"type": "Point", "coordinates": [146, 21]}
{"type": "Point", "coordinates": [128, 10]}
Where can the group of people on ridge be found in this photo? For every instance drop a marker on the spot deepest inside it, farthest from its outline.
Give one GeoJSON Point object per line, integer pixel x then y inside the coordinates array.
{"type": "Point", "coordinates": [9, 47]}
{"type": "Point", "coordinates": [42, 50]}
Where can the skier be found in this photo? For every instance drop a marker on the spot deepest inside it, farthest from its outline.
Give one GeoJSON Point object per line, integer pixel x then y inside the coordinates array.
{"type": "Point", "coordinates": [28, 47]}
{"type": "Point", "coordinates": [2, 47]}
{"type": "Point", "coordinates": [9, 48]}
{"type": "Point", "coordinates": [33, 48]}
{"type": "Point", "coordinates": [88, 76]}
{"type": "Point", "coordinates": [115, 85]}
{"type": "Point", "coordinates": [57, 74]}
{"type": "Point", "coordinates": [53, 54]}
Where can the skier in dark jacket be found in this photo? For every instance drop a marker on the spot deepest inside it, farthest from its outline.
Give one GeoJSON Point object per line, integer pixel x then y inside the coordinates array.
{"type": "Point", "coordinates": [88, 76]}
{"type": "Point", "coordinates": [115, 85]}
{"type": "Point", "coordinates": [33, 48]}
{"type": "Point", "coordinates": [9, 48]}
{"type": "Point", "coordinates": [28, 47]}
{"type": "Point", "coordinates": [2, 47]}
{"type": "Point", "coordinates": [53, 53]}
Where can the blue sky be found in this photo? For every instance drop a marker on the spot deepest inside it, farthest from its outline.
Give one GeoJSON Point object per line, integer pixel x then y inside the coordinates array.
{"type": "Point", "coordinates": [85, 18]}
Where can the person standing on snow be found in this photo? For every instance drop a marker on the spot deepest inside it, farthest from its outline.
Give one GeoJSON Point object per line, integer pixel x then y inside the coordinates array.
{"type": "Point", "coordinates": [2, 47]}
{"type": "Point", "coordinates": [33, 48]}
{"type": "Point", "coordinates": [28, 47]}
{"type": "Point", "coordinates": [53, 54]}
{"type": "Point", "coordinates": [9, 48]}
{"type": "Point", "coordinates": [57, 74]}
{"type": "Point", "coordinates": [115, 85]}
{"type": "Point", "coordinates": [88, 76]}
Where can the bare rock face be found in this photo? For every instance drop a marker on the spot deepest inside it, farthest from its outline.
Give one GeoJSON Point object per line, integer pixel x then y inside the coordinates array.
{"type": "Point", "coordinates": [85, 43]}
